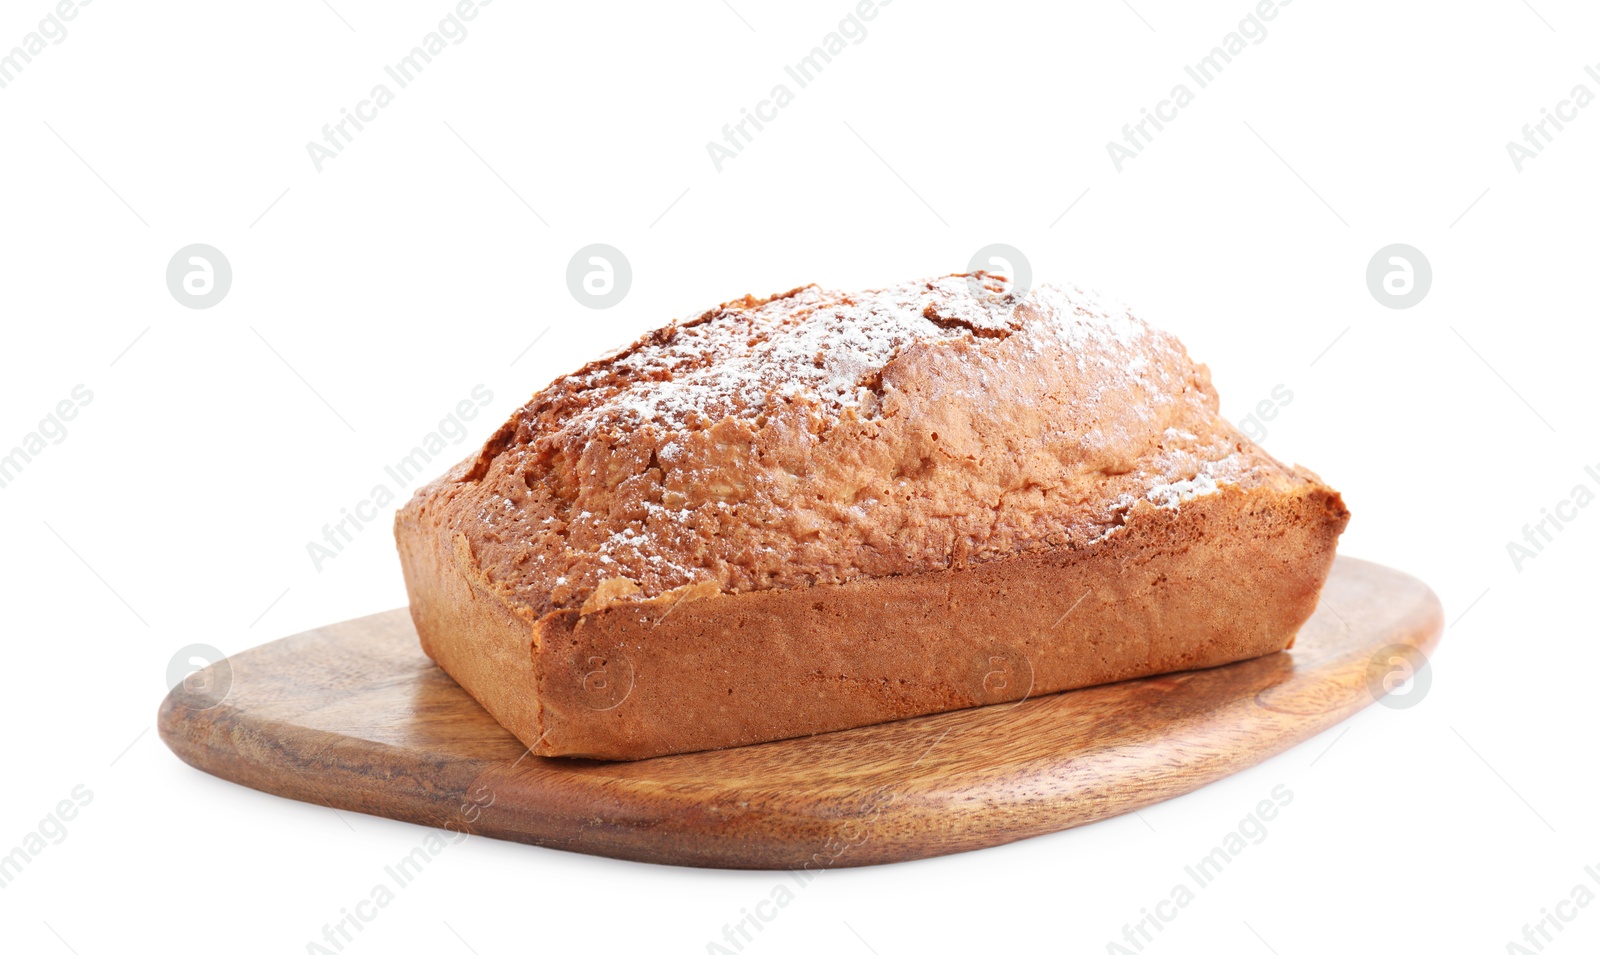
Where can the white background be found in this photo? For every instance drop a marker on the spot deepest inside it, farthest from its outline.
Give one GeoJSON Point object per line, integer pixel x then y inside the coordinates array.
{"type": "Point", "coordinates": [372, 297]}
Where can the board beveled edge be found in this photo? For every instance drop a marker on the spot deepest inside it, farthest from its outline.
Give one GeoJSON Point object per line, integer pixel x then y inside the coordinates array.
{"type": "Point", "coordinates": [617, 810]}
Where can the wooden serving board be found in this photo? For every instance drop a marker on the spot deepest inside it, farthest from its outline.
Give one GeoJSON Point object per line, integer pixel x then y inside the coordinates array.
{"type": "Point", "coordinates": [354, 716]}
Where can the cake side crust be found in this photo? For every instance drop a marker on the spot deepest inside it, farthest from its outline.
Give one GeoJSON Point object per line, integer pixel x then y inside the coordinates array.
{"type": "Point", "coordinates": [1222, 577]}
{"type": "Point", "coordinates": [485, 643]}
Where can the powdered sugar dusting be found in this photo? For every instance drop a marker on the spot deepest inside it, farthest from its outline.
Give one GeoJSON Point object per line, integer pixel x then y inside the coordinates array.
{"type": "Point", "coordinates": [1170, 494]}
{"type": "Point", "coordinates": [826, 347]}
{"type": "Point", "coordinates": [1210, 476]}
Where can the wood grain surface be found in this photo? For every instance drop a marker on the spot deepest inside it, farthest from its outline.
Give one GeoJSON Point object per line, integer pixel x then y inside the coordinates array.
{"type": "Point", "coordinates": [354, 716]}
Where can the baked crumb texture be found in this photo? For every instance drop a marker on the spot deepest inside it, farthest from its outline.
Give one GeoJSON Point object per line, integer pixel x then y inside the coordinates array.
{"type": "Point", "coordinates": [822, 510]}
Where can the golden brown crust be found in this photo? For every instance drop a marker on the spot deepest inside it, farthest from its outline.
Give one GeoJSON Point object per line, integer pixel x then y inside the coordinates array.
{"type": "Point", "coordinates": [820, 510]}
